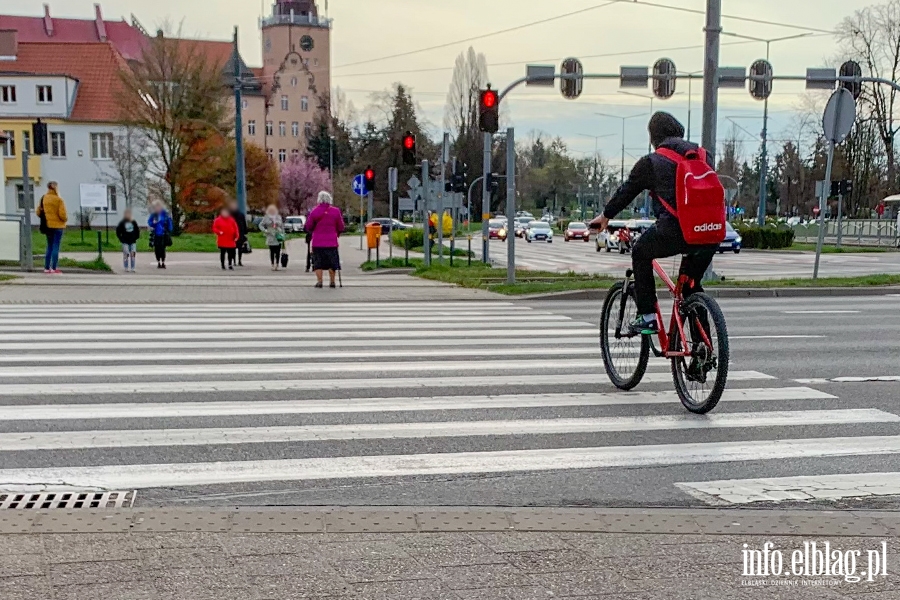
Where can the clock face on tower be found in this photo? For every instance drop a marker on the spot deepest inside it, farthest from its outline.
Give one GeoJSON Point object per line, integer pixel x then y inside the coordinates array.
{"type": "Point", "coordinates": [306, 43]}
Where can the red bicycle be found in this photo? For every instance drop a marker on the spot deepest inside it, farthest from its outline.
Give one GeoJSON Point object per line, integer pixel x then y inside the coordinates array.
{"type": "Point", "coordinates": [696, 342]}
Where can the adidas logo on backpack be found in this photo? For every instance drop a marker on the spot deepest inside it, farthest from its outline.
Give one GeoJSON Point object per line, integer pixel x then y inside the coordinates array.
{"type": "Point", "coordinates": [699, 198]}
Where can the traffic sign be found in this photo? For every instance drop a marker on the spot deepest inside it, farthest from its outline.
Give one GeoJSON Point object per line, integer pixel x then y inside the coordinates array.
{"type": "Point", "coordinates": [540, 75]}
{"type": "Point", "coordinates": [413, 182]}
{"type": "Point", "coordinates": [840, 113]}
{"type": "Point", "coordinates": [359, 185]}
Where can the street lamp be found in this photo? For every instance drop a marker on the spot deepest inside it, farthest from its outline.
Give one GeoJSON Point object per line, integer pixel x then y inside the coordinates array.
{"type": "Point", "coordinates": [763, 158]}
{"type": "Point", "coordinates": [690, 75]}
{"type": "Point", "coordinates": [623, 119]}
{"type": "Point", "coordinates": [596, 179]}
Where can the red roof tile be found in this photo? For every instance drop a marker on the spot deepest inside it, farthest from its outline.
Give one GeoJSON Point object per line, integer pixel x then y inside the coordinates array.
{"type": "Point", "coordinates": [96, 66]}
{"type": "Point", "coordinates": [127, 39]}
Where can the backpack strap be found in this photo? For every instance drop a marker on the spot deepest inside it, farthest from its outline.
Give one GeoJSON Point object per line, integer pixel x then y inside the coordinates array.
{"type": "Point", "coordinates": [676, 158]}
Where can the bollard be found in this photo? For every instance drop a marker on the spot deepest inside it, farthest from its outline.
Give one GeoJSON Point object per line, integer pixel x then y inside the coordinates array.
{"type": "Point", "coordinates": [100, 245]}
{"type": "Point", "coordinates": [406, 247]}
{"type": "Point", "coordinates": [377, 256]}
{"type": "Point", "coordinates": [470, 250]}
{"type": "Point", "coordinates": [451, 250]}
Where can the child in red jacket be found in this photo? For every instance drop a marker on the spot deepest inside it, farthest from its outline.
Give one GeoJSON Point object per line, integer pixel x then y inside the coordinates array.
{"type": "Point", "coordinates": [227, 234]}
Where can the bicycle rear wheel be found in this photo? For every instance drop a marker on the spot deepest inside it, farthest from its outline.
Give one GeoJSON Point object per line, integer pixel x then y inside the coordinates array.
{"type": "Point", "coordinates": [700, 380]}
{"type": "Point", "coordinates": [625, 358]}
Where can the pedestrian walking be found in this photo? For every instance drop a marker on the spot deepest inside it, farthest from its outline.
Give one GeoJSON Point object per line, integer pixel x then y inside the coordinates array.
{"type": "Point", "coordinates": [227, 236]}
{"type": "Point", "coordinates": [53, 216]}
{"type": "Point", "coordinates": [160, 225]}
{"type": "Point", "coordinates": [273, 226]}
{"type": "Point", "coordinates": [243, 247]}
{"type": "Point", "coordinates": [325, 223]}
{"type": "Point", "coordinates": [128, 233]}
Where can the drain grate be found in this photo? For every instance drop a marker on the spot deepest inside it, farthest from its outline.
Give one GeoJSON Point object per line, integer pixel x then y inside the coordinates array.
{"type": "Point", "coordinates": [71, 500]}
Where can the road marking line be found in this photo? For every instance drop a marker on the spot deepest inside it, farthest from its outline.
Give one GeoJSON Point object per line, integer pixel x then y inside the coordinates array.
{"type": "Point", "coordinates": [819, 312]}
{"type": "Point", "coordinates": [230, 308]}
{"type": "Point", "coordinates": [159, 410]}
{"type": "Point", "coordinates": [774, 337]}
{"type": "Point", "coordinates": [813, 380]}
{"type": "Point", "coordinates": [268, 385]}
{"type": "Point", "coordinates": [127, 438]}
{"type": "Point", "coordinates": [803, 487]}
{"type": "Point", "coordinates": [143, 476]}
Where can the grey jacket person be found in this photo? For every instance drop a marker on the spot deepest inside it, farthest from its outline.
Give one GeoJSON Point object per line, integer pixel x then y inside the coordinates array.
{"type": "Point", "coordinates": [272, 226]}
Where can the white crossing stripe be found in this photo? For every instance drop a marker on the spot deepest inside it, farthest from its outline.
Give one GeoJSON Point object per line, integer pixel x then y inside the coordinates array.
{"type": "Point", "coordinates": [69, 440]}
{"type": "Point", "coordinates": [819, 312]}
{"type": "Point", "coordinates": [802, 487]}
{"type": "Point", "coordinates": [282, 321]}
{"type": "Point", "coordinates": [161, 410]}
{"type": "Point", "coordinates": [229, 309]}
{"type": "Point", "coordinates": [143, 476]}
{"type": "Point", "coordinates": [170, 387]}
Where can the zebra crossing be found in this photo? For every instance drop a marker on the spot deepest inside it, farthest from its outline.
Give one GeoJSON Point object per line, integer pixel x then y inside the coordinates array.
{"type": "Point", "coordinates": [214, 397]}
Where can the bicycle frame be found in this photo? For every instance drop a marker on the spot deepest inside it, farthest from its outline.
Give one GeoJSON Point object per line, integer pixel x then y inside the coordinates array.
{"type": "Point", "coordinates": [675, 288]}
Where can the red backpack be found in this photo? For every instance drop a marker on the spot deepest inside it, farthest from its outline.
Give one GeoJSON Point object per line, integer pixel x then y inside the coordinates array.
{"type": "Point", "coordinates": [699, 197]}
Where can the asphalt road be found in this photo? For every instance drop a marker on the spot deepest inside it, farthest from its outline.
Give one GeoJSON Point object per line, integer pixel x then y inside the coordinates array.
{"type": "Point", "coordinates": [442, 403]}
{"type": "Point", "coordinates": [580, 256]}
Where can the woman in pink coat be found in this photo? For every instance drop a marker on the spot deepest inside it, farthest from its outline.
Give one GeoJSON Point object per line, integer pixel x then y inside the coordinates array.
{"type": "Point", "coordinates": [325, 223]}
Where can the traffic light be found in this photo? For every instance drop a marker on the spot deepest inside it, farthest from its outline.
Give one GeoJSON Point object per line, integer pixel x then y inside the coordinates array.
{"type": "Point", "coordinates": [852, 69]}
{"type": "Point", "coordinates": [489, 111]}
{"type": "Point", "coordinates": [370, 179]}
{"type": "Point", "coordinates": [846, 187]}
{"type": "Point", "coordinates": [761, 89]}
{"type": "Point", "coordinates": [571, 88]}
{"type": "Point", "coordinates": [835, 189]}
{"type": "Point", "coordinates": [409, 149]}
{"type": "Point", "coordinates": [493, 185]}
{"type": "Point", "coordinates": [39, 138]}
{"type": "Point", "coordinates": [664, 78]}
{"type": "Point", "coordinates": [460, 178]}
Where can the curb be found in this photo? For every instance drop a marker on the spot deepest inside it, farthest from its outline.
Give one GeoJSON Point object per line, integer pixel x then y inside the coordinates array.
{"type": "Point", "coordinates": [726, 292]}
{"type": "Point", "coordinates": [388, 519]}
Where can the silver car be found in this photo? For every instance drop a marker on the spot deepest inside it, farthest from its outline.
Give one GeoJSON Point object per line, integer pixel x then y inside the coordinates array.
{"type": "Point", "coordinates": [294, 224]}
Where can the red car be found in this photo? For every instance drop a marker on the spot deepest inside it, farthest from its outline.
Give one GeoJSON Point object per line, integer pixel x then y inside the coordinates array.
{"type": "Point", "coordinates": [578, 231]}
{"type": "Point", "coordinates": [497, 229]}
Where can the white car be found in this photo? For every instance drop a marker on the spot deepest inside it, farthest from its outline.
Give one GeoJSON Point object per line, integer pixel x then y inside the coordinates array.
{"type": "Point", "coordinates": [294, 224]}
{"type": "Point", "coordinates": [539, 231]}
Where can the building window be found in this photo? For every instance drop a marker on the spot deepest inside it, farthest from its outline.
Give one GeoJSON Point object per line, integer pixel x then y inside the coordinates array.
{"type": "Point", "coordinates": [269, 153]}
{"type": "Point", "coordinates": [268, 127]}
{"type": "Point", "coordinates": [293, 82]}
{"type": "Point", "coordinates": [307, 129]}
{"type": "Point", "coordinates": [44, 94]}
{"type": "Point", "coordinates": [282, 128]}
{"type": "Point", "coordinates": [57, 144]}
{"type": "Point", "coordinates": [295, 129]}
{"type": "Point", "coordinates": [284, 103]}
{"type": "Point", "coordinates": [111, 200]}
{"type": "Point", "coordinates": [295, 154]}
{"type": "Point", "coordinates": [101, 146]}
{"type": "Point", "coordinates": [20, 196]}
{"type": "Point", "coordinates": [282, 155]}
{"type": "Point", "coordinates": [251, 127]}
{"type": "Point", "coordinates": [8, 149]}
{"type": "Point", "coordinates": [304, 103]}
{"type": "Point", "coordinates": [26, 141]}
{"type": "Point", "coordinates": [7, 94]}
{"type": "Point", "coordinates": [244, 104]}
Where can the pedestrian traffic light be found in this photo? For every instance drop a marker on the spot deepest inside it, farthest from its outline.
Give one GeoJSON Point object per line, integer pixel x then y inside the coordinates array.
{"type": "Point", "coordinates": [489, 111]}
{"type": "Point", "coordinates": [492, 184]}
{"type": "Point", "coordinates": [39, 138]}
{"type": "Point", "coordinates": [409, 149]}
{"type": "Point", "coordinates": [370, 179]}
{"type": "Point", "coordinates": [835, 189]}
{"type": "Point", "coordinates": [846, 187]}
{"type": "Point", "coordinates": [460, 177]}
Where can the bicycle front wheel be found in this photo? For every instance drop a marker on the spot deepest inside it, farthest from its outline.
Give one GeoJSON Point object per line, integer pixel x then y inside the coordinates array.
{"type": "Point", "coordinates": [700, 379]}
{"type": "Point", "coordinates": [625, 358]}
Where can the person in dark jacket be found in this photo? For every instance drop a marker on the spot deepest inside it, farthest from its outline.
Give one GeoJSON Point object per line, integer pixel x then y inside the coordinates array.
{"type": "Point", "coordinates": [160, 224]}
{"type": "Point", "coordinates": [241, 220]}
{"type": "Point", "coordinates": [128, 233]}
{"type": "Point", "coordinates": [656, 174]}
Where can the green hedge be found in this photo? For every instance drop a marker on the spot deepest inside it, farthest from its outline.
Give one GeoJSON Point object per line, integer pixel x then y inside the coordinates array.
{"type": "Point", "coordinates": [769, 236]}
{"type": "Point", "coordinates": [416, 239]}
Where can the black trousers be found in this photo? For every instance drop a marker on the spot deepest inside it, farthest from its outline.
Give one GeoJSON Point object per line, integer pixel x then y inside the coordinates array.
{"type": "Point", "coordinates": [159, 248]}
{"type": "Point", "coordinates": [229, 252]}
{"type": "Point", "coordinates": [662, 240]}
{"type": "Point", "coordinates": [275, 254]}
{"type": "Point", "coordinates": [240, 249]}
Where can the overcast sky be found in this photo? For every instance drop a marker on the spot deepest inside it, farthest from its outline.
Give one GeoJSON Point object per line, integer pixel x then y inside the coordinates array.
{"type": "Point", "coordinates": [639, 34]}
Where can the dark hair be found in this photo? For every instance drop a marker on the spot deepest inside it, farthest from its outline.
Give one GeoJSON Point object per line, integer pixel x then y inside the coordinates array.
{"type": "Point", "coordinates": [662, 126]}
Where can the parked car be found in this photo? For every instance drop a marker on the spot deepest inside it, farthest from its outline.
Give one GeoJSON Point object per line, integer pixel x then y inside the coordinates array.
{"type": "Point", "coordinates": [497, 230]}
{"type": "Point", "coordinates": [578, 231]}
{"type": "Point", "coordinates": [609, 240]}
{"type": "Point", "coordinates": [294, 224]}
{"type": "Point", "coordinates": [732, 240]}
{"type": "Point", "coordinates": [389, 225]}
{"type": "Point", "coordinates": [539, 231]}
{"type": "Point", "coordinates": [521, 224]}
{"type": "Point", "coordinates": [525, 213]}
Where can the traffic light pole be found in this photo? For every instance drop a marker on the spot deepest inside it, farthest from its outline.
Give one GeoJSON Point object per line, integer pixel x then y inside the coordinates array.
{"type": "Point", "coordinates": [510, 205]}
{"type": "Point", "coordinates": [486, 201]}
{"type": "Point", "coordinates": [28, 192]}
{"type": "Point", "coordinates": [426, 236]}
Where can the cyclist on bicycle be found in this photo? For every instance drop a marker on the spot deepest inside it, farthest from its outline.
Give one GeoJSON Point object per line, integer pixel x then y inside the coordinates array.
{"type": "Point", "coordinates": [656, 174]}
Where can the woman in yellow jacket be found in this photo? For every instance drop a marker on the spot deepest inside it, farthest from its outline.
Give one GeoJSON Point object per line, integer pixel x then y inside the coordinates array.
{"type": "Point", "coordinates": [52, 212]}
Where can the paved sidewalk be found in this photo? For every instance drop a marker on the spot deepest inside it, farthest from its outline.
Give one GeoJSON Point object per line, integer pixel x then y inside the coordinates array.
{"type": "Point", "coordinates": [439, 553]}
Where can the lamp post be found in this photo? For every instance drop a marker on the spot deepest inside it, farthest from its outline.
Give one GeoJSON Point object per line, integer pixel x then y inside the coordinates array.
{"type": "Point", "coordinates": [596, 152]}
{"type": "Point", "coordinates": [623, 119]}
{"type": "Point", "coordinates": [763, 156]}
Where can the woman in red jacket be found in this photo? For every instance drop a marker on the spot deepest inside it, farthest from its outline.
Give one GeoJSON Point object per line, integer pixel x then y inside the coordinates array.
{"type": "Point", "coordinates": [227, 234]}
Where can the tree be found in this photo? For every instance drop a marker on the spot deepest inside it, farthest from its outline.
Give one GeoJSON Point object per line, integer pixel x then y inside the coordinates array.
{"type": "Point", "coordinates": [129, 161]}
{"type": "Point", "coordinates": [174, 95]}
{"type": "Point", "coordinates": [325, 126]}
{"type": "Point", "coordinates": [301, 181]}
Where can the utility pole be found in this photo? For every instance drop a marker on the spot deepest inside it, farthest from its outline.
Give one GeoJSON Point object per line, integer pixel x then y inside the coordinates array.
{"type": "Point", "coordinates": [711, 86]}
{"type": "Point", "coordinates": [510, 205]}
{"type": "Point", "coordinates": [241, 183]}
{"type": "Point", "coordinates": [28, 192]}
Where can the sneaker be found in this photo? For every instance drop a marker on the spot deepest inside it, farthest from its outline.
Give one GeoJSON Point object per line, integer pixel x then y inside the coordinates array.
{"type": "Point", "coordinates": [331, 285]}
{"type": "Point", "coordinates": [56, 272]}
{"type": "Point", "coordinates": [318, 285]}
{"type": "Point", "coordinates": [231, 267]}
{"type": "Point", "coordinates": [641, 327]}
{"type": "Point", "coordinates": [47, 271]}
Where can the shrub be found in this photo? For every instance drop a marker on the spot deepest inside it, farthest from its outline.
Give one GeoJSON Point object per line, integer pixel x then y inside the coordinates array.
{"type": "Point", "coordinates": [769, 236]}
{"type": "Point", "coordinates": [416, 237]}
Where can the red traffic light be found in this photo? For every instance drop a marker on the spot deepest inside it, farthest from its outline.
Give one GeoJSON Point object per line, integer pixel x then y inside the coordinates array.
{"type": "Point", "coordinates": [489, 99]}
{"type": "Point", "coordinates": [370, 174]}
{"type": "Point", "coordinates": [408, 142]}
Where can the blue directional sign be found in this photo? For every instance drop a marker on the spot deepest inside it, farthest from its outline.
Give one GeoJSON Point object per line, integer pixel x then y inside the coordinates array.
{"type": "Point", "coordinates": [359, 185]}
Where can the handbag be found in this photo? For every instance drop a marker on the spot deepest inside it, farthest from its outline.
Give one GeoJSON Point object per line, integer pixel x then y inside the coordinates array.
{"type": "Point", "coordinates": [284, 260]}
{"type": "Point", "coordinates": [245, 248]}
{"type": "Point", "coordinates": [43, 217]}
{"type": "Point", "coordinates": [167, 239]}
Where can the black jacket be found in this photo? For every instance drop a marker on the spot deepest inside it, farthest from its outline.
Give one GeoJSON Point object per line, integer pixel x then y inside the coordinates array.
{"type": "Point", "coordinates": [125, 236]}
{"type": "Point", "coordinates": [656, 174]}
{"type": "Point", "coordinates": [241, 219]}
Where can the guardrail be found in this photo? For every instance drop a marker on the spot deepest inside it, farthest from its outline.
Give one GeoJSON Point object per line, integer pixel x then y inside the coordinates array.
{"type": "Point", "coordinates": [854, 232]}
